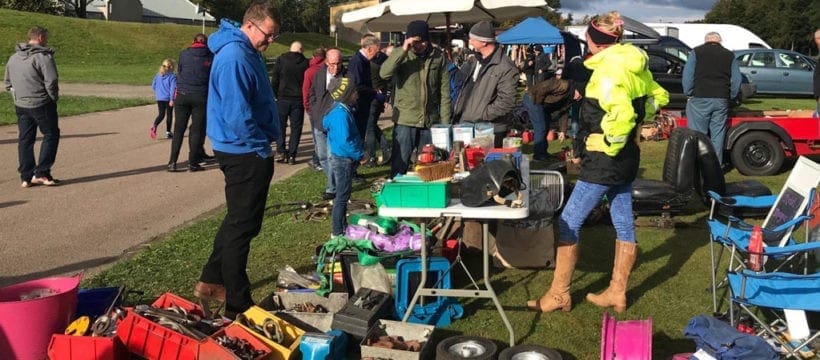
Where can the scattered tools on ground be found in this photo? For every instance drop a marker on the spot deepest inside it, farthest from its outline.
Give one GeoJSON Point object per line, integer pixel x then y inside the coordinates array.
{"type": "Point", "coordinates": [306, 211]}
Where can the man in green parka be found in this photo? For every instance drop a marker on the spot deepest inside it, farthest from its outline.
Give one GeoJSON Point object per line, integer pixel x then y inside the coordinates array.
{"type": "Point", "coordinates": [422, 93]}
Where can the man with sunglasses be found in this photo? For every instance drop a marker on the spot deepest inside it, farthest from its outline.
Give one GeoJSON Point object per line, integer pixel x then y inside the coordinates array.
{"type": "Point", "coordinates": [242, 123]}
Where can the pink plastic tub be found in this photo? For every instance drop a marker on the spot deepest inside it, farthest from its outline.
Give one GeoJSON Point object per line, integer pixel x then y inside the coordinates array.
{"type": "Point", "coordinates": [626, 340]}
{"type": "Point", "coordinates": [26, 325]}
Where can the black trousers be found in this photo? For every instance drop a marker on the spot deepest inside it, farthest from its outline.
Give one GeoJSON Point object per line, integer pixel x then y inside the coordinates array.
{"type": "Point", "coordinates": [165, 111]}
{"type": "Point", "coordinates": [247, 180]}
{"type": "Point", "coordinates": [191, 105]}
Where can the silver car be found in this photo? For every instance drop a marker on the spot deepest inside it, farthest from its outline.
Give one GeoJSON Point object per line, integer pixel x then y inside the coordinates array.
{"type": "Point", "coordinates": [777, 71]}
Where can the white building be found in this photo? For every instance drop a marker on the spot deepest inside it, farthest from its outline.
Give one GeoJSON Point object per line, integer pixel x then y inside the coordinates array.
{"type": "Point", "coordinates": [151, 11]}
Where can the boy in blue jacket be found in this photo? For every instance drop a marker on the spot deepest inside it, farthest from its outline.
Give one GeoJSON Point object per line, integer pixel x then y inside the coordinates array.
{"type": "Point", "coordinates": [345, 147]}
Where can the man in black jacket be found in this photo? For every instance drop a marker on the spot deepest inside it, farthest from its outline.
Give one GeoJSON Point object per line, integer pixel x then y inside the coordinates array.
{"type": "Point", "coordinates": [190, 101]}
{"type": "Point", "coordinates": [711, 78]}
{"type": "Point", "coordinates": [320, 103]}
{"type": "Point", "coordinates": [288, 76]}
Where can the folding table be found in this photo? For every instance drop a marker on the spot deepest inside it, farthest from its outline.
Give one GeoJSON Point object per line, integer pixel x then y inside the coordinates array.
{"type": "Point", "coordinates": [483, 214]}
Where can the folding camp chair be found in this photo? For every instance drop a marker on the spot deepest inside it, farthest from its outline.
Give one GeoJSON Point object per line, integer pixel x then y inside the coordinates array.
{"type": "Point", "coordinates": [773, 295]}
{"type": "Point", "coordinates": [788, 211]}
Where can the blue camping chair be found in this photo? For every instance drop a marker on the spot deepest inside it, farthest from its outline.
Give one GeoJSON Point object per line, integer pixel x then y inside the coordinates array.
{"type": "Point", "coordinates": [787, 212]}
{"type": "Point", "coordinates": [772, 294]}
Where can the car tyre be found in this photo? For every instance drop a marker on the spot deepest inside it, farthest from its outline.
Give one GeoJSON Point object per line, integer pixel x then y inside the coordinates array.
{"type": "Point", "coordinates": [529, 352]}
{"type": "Point", "coordinates": [466, 347]}
{"type": "Point", "coordinates": [758, 153]}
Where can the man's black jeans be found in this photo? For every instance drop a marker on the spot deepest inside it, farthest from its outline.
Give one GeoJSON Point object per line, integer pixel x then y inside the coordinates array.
{"type": "Point", "coordinates": [296, 112]}
{"type": "Point", "coordinates": [193, 105]}
{"type": "Point", "coordinates": [28, 121]}
{"type": "Point", "coordinates": [247, 179]}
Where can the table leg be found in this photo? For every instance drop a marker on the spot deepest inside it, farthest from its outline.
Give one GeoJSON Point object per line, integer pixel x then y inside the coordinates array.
{"type": "Point", "coordinates": [486, 230]}
{"type": "Point", "coordinates": [423, 280]}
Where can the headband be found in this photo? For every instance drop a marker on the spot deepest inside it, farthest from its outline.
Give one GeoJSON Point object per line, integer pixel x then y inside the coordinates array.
{"type": "Point", "coordinates": [601, 36]}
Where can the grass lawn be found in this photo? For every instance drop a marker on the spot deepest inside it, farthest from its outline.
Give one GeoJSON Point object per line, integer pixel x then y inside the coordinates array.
{"type": "Point", "coordinates": [70, 105]}
{"type": "Point", "coordinates": [111, 52]}
{"type": "Point", "coordinates": [668, 283]}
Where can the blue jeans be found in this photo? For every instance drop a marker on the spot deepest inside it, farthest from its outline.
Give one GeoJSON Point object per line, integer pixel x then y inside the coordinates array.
{"type": "Point", "coordinates": [709, 116]}
{"type": "Point", "coordinates": [323, 153]}
{"type": "Point", "coordinates": [539, 126]}
{"type": "Point", "coordinates": [343, 171]}
{"type": "Point", "coordinates": [585, 197]}
{"type": "Point", "coordinates": [406, 139]}
{"type": "Point", "coordinates": [295, 110]}
{"type": "Point", "coordinates": [28, 121]}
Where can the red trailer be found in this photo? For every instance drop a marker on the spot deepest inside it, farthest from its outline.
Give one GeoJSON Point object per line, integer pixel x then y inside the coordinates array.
{"type": "Point", "coordinates": [758, 142]}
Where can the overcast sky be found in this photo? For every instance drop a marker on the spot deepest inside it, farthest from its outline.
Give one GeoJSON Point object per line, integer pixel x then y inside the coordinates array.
{"type": "Point", "coordinates": [642, 10]}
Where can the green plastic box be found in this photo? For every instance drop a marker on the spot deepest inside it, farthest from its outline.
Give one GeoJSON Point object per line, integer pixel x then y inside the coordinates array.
{"type": "Point", "coordinates": [409, 191]}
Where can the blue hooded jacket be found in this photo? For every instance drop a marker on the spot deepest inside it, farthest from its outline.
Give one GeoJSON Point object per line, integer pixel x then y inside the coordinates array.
{"type": "Point", "coordinates": [342, 135]}
{"type": "Point", "coordinates": [242, 115]}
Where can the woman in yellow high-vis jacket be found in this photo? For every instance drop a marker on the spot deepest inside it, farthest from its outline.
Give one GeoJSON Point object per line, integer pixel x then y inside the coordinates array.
{"type": "Point", "coordinates": [619, 94]}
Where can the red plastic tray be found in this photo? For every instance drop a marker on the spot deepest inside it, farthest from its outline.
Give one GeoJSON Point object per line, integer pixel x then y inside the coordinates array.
{"type": "Point", "coordinates": [168, 299]}
{"type": "Point", "coordinates": [210, 349]}
{"type": "Point", "coordinates": [152, 341]}
{"type": "Point", "coordinates": [67, 347]}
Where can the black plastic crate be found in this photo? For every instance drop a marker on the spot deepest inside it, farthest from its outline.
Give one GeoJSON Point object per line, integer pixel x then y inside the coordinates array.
{"type": "Point", "coordinates": [363, 310]}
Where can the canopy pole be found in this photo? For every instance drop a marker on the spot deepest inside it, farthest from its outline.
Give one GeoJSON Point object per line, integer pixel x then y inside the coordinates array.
{"type": "Point", "coordinates": [448, 48]}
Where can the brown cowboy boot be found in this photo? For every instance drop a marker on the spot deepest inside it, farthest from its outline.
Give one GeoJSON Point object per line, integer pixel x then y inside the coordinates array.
{"type": "Point", "coordinates": [208, 291]}
{"type": "Point", "coordinates": [615, 294]}
{"type": "Point", "coordinates": [557, 297]}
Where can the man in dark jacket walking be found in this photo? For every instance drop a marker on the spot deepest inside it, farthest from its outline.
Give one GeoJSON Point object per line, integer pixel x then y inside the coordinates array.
{"type": "Point", "coordinates": [711, 78]}
{"type": "Point", "coordinates": [288, 76]}
{"type": "Point", "coordinates": [191, 100]}
{"type": "Point", "coordinates": [489, 93]}
{"type": "Point", "coordinates": [31, 77]}
{"type": "Point", "coordinates": [360, 74]}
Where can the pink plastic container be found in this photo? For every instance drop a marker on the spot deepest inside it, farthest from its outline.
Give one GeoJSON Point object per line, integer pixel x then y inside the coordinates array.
{"type": "Point", "coordinates": [626, 340]}
{"type": "Point", "coordinates": [26, 325]}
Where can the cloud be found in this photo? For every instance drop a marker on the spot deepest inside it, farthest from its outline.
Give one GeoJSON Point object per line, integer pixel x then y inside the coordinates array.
{"type": "Point", "coordinates": [641, 10]}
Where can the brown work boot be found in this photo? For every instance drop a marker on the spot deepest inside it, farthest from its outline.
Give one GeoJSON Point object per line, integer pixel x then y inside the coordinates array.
{"type": "Point", "coordinates": [209, 291]}
{"type": "Point", "coordinates": [615, 294]}
{"type": "Point", "coordinates": [557, 297]}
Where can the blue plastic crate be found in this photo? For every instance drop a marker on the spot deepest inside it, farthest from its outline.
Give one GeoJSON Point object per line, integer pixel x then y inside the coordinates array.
{"type": "Point", "coordinates": [94, 302]}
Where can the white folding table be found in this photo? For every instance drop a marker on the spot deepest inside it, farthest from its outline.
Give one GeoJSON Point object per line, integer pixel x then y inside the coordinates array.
{"type": "Point", "coordinates": [455, 209]}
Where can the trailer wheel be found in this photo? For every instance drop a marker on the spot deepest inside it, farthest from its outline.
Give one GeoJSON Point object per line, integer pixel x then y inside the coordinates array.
{"type": "Point", "coordinates": [466, 347]}
{"type": "Point", "coordinates": [529, 352]}
{"type": "Point", "coordinates": [758, 153]}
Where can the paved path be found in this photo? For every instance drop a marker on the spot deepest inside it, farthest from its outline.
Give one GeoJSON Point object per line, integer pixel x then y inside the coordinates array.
{"type": "Point", "coordinates": [115, 196]}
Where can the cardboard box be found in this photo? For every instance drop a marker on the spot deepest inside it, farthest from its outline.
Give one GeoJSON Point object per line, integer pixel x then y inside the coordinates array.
{"type": "Point", "coordinates": [407, 331]}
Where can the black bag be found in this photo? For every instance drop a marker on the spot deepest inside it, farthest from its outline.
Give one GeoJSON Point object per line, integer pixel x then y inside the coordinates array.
{"type": "Point", "coordinates": [494, 178]}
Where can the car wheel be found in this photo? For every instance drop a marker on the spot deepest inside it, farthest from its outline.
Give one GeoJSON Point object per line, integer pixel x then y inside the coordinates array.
{"type": "Point", "coordinates": [758, 153]}
{"type": "Point", "coordinates": [466, 347]}
{"type": "Point", "coordinates": [529, 352]}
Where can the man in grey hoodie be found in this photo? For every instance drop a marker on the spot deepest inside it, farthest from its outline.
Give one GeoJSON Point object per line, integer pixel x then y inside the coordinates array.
{"type": "Point", "coordinates": [31, 77]}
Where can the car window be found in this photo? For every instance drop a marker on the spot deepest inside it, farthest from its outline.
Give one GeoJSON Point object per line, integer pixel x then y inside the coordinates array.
{"type": "Point", "coordinates": [658, 64]}
{"type": "Point", "coordinates": [763, 59]}
{"type": "Point", "coordinates": [743, 59]}
{"type": "Point", "coordinates": [792, 61]}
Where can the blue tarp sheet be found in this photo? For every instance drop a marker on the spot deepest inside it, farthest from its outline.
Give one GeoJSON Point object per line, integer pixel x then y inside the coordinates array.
{"type": "Point", "coordinates": [533, 30]}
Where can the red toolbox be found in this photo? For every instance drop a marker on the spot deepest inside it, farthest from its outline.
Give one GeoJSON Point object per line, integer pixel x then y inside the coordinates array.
{"type": "Point", "coordinates": [69, 347]}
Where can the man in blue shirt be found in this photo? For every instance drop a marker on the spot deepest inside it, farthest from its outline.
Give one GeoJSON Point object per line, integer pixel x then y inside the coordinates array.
{"type": "Point", "coordinates": [242, 123]}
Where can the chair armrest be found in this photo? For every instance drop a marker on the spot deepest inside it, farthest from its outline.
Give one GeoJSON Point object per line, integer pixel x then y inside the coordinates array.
{"type": "Point", "coordinates": [758, 202]}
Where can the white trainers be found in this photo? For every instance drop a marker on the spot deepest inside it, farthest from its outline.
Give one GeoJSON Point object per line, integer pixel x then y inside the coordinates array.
{"type": "Point", "coordinates": [44, 180]}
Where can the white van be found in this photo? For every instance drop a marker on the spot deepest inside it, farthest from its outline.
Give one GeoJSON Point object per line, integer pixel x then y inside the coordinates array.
{"type": "Point", "coordinates": [734, 37]}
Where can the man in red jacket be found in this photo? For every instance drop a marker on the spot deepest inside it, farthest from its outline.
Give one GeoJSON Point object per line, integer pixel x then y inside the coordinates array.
{"type": "Point", "coordinates": [315, 64]}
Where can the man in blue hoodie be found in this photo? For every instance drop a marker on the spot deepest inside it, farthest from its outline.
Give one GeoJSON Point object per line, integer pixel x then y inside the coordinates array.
{"type": "Point", "coordinates": [242, 123]}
